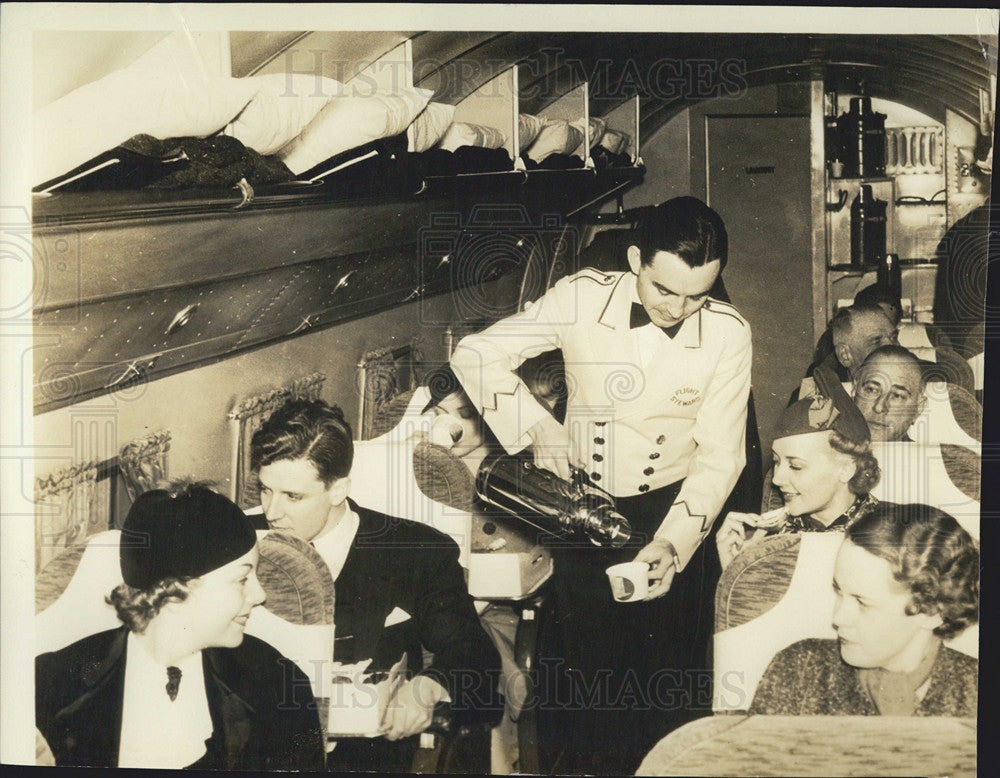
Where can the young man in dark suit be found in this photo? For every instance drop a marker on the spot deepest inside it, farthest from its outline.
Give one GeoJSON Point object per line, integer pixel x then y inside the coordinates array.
{"type": "Point", "coordinates": [399, 585]}
{"type": "Point", "coordinates": [180, 685]}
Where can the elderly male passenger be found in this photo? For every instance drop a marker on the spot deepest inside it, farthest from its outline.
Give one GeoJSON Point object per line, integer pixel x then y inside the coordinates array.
{"type": "Point", "coordinates": [856, 332]}
{"type": "Point", "coordinates": [889, 391]}
{"type": "Point", "coordinates": [180, 685]}
{"type": "Point", "coordinates": [399, 586]}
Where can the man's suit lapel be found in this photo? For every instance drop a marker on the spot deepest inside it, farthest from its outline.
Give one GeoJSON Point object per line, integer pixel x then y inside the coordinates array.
{"type": "Point", "coordinates": [93, 721]}
{"type": "Point", "coordinates": [364, 590]}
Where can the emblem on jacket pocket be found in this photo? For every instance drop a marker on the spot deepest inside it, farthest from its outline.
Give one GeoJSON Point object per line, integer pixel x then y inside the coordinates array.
{"type": "Point", "coordinates": [688, 395]}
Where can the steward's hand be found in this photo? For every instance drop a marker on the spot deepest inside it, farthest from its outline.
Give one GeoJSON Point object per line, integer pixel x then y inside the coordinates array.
{"type": "Point", "coordinates": [660, 556]}
{"type": "Point", "coordinates": [550, 446]}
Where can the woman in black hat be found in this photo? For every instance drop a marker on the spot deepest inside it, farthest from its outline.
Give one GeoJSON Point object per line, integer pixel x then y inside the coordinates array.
{"type": "Point", "coordinates": [179, 684]}
{"type": "Point", "coordinates": [823, 466]}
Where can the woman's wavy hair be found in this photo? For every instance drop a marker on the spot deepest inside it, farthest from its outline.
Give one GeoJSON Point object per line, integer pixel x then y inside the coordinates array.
{"type": "Point", "coordinates": [867, 472]}
{"type": "Point", "coordinates": [137, 607]}
{"type": "Point", "coordinates": [441, 382]}
{"type": "Point", "coordinates": [929, 553]}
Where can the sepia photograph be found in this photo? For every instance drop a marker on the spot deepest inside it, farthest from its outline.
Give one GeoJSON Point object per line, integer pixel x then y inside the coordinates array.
{"type": "Point", "coordinates": [495, 389]}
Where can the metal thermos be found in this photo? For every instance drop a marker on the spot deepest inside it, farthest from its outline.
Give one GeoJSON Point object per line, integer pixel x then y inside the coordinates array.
{"type": "Point", "coordinates": [862, 140]}
{"type": "Point", "coordinates": [546, 501]}
{"type": "Point", "coordinates": [868, 222]}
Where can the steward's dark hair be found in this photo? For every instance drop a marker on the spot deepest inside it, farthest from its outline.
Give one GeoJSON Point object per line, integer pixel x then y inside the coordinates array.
{"type": "Point", "coordinates": [306, 429]}
{"type": "Point", "coordinates": [929, 553]}
{"type": "Point", "coordinates": [684, 226]}
{"type": "Point", "coordinates": [441, 382]}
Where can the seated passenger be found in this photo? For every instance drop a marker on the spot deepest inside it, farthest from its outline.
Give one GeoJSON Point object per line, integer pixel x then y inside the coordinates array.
{"type": "Point", "coordinates": [889, 391]}
{"type": "Point", "coordinates": [874, 295]}
{"type": "Point", "coordinates": [906, 578]}
{"type": "Point", "coordinates": [823, 467]}
{"type": "Point", "coordinates": [855, 332]}
{"type": "Point", "coordinates": [457, 427]}
{"type": "Point", "coordinates": [399, 586]}
{"type": "Point", "coordinates": [179, 684]}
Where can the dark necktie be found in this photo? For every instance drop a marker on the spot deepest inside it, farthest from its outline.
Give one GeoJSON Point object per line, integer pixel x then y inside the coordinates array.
{"type": "Point", "coordinates": [639, 318]}
{"type": "Point", "coordinates": [173, 682]}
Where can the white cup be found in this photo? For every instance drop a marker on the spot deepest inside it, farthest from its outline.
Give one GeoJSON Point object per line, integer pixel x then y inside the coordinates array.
{"type": "Point", "coordinates": [629, 581]}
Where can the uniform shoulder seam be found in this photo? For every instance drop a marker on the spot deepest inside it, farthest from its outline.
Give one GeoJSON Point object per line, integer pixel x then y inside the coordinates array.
{"type": "Point", "coordinates": [595, 275]}
{"type": "Point", "coordinates": [726, 309]}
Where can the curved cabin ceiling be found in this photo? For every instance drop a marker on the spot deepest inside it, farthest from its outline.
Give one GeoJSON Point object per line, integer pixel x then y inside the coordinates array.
{"type": "Point", "coordinates": [670, 71]}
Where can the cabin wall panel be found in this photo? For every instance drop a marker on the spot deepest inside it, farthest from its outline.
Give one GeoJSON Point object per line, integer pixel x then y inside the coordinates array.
{"type": "Point", "coordinates": [200, 249]}
{"type": "Point", "coordinates": [194, 404]}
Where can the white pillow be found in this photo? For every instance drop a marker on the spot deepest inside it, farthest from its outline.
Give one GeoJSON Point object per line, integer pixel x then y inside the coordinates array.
{"type": "Point", "coordinates": [103, 114]}
{"type": "Point", "coordinates": [465, 134]}
{"type": "Point", "coordinates": [597, 126]}
{"type": "Point", "coordinates": [348, 122]}
{"type": "Point", "coordinates": [281, 108]}
{"type": "Point", "coordinates": [556, 137]}
{"type": "Point", "coordinates": [615, 141]}
{"type": "Point", "coordinates": [528, 127]}
{"type": "Point", "coordinates": [429, 127]}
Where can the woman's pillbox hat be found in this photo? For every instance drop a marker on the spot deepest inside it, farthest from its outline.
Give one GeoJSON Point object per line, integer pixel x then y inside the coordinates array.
{"type": "Point", "coordinates": [181, 535]}
{"type": "Point", "coordinates": [829, 408]}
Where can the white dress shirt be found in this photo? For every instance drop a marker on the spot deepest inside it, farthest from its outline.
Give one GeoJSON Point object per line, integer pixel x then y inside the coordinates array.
{"type": "Point", "coordinates": [335, 544]}
{"type": "Point", "coordinates": [158, 732]}
{"type": "Point", "coordinates": [648, 336]}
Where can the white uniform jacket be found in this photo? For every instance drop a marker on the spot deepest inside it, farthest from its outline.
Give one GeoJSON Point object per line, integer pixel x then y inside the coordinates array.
{"type": "Point", "coordinates": [638, 428]}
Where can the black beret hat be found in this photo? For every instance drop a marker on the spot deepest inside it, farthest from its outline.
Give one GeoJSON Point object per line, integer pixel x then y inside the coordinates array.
{"type": "Point", "coordinates": [829, 408]}
{"type": "Point", "coordinates": [181, 535]}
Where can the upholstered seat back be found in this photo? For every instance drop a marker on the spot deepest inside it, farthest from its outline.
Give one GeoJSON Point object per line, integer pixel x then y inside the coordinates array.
{"type": "Point", "coordinates": [945, 477]}
{"type": "Point", "coordinates": [297, 616]}
{"type": "Point", "coordinates": [70, 592]}
{"type": "Point", "coordinates": [774, 594]}
{"type": "Point", "coordinates": [951, 415]}
{"type": "Point", "coordinates": [400, 473]}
